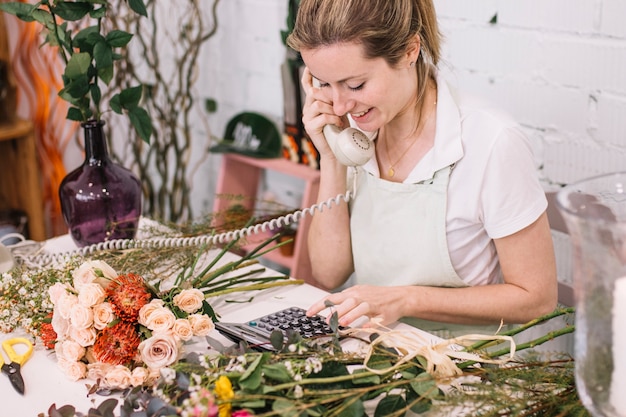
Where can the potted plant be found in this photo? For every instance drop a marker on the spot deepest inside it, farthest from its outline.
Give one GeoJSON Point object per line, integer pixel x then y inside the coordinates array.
{"type": "Point", "coordinates": [100, 200]}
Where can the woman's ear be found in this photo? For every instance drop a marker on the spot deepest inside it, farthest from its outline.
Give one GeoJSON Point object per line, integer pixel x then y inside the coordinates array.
{"type": "Point", "coordinates": [413, 50]}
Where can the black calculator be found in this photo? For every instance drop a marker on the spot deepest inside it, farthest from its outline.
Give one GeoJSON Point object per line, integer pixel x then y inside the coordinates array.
{"type": "Point", "coordinates": [257, 332]}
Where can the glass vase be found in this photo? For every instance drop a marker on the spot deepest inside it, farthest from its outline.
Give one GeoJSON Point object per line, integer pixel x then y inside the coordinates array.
{"type": "Point", "coordinates": [595, 214]}
{"type": "Point", "coordinates": [100, 200]}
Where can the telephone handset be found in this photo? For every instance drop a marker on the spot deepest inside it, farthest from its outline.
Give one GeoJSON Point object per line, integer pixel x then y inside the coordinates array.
{"type": "Point", "coordinates": [350, 146]}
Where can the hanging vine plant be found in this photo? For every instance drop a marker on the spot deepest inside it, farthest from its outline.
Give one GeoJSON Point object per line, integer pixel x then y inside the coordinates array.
{"type": "Point", "coordinates": [165, 58]}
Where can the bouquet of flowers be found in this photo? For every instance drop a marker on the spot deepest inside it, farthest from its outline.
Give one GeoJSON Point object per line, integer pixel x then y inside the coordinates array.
{"type": "Point", "coordinates": [119, 329]}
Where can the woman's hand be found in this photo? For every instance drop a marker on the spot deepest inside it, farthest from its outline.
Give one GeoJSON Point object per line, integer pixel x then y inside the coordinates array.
{"type": "Point", "coordinates": [317, 113]}
{"type": "Point", "coordinates": [384, 303]}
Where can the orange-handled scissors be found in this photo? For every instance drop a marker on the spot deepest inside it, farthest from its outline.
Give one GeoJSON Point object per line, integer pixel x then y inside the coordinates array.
{"type": "Point", "coordinates": [14, 366]}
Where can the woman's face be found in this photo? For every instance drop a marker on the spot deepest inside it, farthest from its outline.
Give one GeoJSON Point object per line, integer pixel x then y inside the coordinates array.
{"type": "Point", "coordinates": [371, 91]}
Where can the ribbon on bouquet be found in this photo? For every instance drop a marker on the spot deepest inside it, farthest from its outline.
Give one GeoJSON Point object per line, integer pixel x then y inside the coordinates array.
{"type": "Point", "coordinates": [439, 356]}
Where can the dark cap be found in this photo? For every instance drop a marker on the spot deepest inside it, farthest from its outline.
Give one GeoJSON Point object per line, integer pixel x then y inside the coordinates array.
{"type": "Point", "coordinates": [251, 134]}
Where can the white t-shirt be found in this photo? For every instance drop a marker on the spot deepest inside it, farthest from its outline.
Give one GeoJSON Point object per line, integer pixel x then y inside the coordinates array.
{"type": "Point", "coordinates": [494, 190]}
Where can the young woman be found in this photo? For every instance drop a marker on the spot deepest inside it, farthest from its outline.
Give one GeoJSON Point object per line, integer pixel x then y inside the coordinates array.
{"type": "Point", "coordinates": [448, 221]}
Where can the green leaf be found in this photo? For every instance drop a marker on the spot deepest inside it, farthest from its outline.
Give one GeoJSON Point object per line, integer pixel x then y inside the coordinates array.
{"type": "Point", "coordinates": [277, 372]}
{"type": "Point", "coordinates": [74, 113]}
{"type": "Point", "coordinates": [71, 11]}
{"type": "Point", "coordinates": [106, 74]}
{"type": "Point", "coordinates": [210, 105]}
{"type": "Point", "coordinates": [103, 55]}
{"type": "Point", "coordinates": [425, 386]}
{"type": "Point", "coordinates": [115, 104]}
{"type": "Point", "coordinates": [98, 13]}
{"type": "Point", "coordinates": [285, 408]}
{"type": "Point", "coordinates": [138, 7]}
{"type": "Point", "coordinates": [277, 339]}
{"type": "Point", "coordinates": [130, 97]}
{"type": "Point", "coordinates": [389, 405]}
{"type": "Point", "coordinates": [251, 378]}
{"type": "Point", "coordinates": [22, 11]}
{"type": "Point", "coordinates": [86, 39]}
{"type": "Point", "coordinates": [77, 88]}
{"type": "Point", "coordinates": [118, 38]}
{"type": "Point", "coordinates": [78, 66]}
{"type": "Point", "coordinates": [96, 94]}
{"type": "Point", "coordinates": [140, 120]}
{"type": "Point", "coordinates": [353, 408]}
{"type": "Point", "coordinates": [44, 17]}
{"type": "Point", "coordinates": [371, 379]}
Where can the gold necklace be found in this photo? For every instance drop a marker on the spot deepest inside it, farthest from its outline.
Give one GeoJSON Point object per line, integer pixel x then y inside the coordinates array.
{"type": "Point", "coordinates": [391, 170]}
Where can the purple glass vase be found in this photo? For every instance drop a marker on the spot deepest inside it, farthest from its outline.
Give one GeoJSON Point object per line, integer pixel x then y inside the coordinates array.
{"type": "Point", "coordinates": [100, 200]}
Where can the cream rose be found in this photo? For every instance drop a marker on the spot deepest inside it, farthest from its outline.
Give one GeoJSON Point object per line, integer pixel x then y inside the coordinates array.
{"type": "Point", "coordinates": [81, 317]}
{"type": "Point", "coordinates": [102, 315]}
{"type": "Point", "coordinates": [189, 300]}
{"type": "Point", "coordinates": [69, 350]}
{"type": "Point", "coordinates": [65, 303]}
{"type": "Point", "coordinates": [93, 271]}
{"type": "Point", "coordinates": [146, 311]}
{"type": "Point", "coordinates": [159, 351]}
{"type": "Point", "coordinates": [74, 370]}
{"type": "Point", "coordinates": [201, 324]}
{"type": "Point", "coordinates": [98, 370]}
{"type": "Point", "coordinates": [139, 376]}
{"type": "Point", "coordinates": [91, 294]}
{"type": "Point", "coordinates": [118, 377]}
{"type": "Point", "coordinates": [56, 291]}
{"type": "Point", "coordinates": [182, 329]}
{"type": "Point", "coordinates": [60, 324]}
{"type": "Point", "coordinates": [160, 320]}
{"type": "Point", "coordinates": [84, 337]}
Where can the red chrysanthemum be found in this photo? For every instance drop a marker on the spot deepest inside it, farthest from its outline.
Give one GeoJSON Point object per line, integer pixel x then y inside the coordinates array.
{"type": "Point", "coordinates": [47, 334]}
{"type": "Point", "coordinates": [117, 345]}
{"type": "Point", "coordinates": [127, 294]}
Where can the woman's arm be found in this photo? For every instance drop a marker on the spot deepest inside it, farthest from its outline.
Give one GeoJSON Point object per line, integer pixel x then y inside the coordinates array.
{"type": "Point", "coordinates": [529, 289]}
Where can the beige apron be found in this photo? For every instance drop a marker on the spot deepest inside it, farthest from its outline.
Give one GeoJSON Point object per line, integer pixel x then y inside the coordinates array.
{"type": "Point", "coordinates": [399, 238]}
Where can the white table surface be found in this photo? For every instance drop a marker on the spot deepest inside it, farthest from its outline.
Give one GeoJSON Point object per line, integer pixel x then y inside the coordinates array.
{"type": "Point", "coordinates": [46, 384]}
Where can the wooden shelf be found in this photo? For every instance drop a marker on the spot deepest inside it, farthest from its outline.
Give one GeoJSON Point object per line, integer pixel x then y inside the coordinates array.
{"type": "Point", "coordinates": [20, 186]}
{"type": "Point", "coordinates": [240, 175]}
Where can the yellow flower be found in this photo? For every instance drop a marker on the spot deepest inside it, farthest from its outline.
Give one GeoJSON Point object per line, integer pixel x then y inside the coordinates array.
{"type": "Point", "coordinates": [224, 392]}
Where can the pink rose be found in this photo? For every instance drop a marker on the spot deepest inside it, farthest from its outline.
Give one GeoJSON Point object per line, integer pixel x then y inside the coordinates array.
{"type": "Point", "coordinates": [139, 376]}
{"type": "Point", "coordinates": [93, 271]}
{"type": "Point", "coordinates": [160, 320]}
{"type": "Point", "coordinates": [98, 370]}
{"type": "Point", "coordinates": [84, 337]}
{"type": "Point", "coordinates": [201, 324]}
{"type": "Point", "coordinates": [189, 300]}
{"type": "Point", "coordinates": [91, 294]}
{"type": "Point", "coordinates": [74, 370]}
{"type": "Point", "coordinates": [146, 311]}
{"type": "Point", "coordinates": [102, 315]}
{"type": "Point", "coordinates": [118, 377]}
{"type": "Point", "coordinates": [159, 351]}
{"type": "Point", "coordinates": [69, 350]}
{"type": "Point", "coordinates": [65, 303]}
{"type": "Point", "coordinates": [81, 317]}
{"type": "Point", "coordinates": [182, 329]}
{"type": "Point", "coordinates": [57, 290]}
{"type": "Point", "coordinates": [60, 324]}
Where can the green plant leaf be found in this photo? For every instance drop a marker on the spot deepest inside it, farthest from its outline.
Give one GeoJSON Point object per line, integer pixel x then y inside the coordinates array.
{"type": "Point", "coordinates": [78, 66]}
{"type": "Point", "coordinates": [71, 10]}
{"type": "Point", "coordinates": [353, 408]}
{"type": "Point", "coordinates": [115, 104]}
{"type": "Point", "coordinates": [130, 97]}
{"type": "Point", "coordinates": [76, 88]}
{"type": "Point", "coordinates": [389, 405]}
{"type": "Point", "coordinates": [140, 120]}
{"type": "Point", "coordinates": [284, 408]}
{"type": "Point", "coordinates": [87, 38]}
{"type": "Point", "coordinates": [425, 386]}
{"type": "Point", "coordinates": [98, 13]}
{"type": "Point", "coordinates": [23, 11]}
{"type": "Point", "coordinates": [138, 7]}
{"type": "Point", "coordinates": [251, 378]}
{"type": "Point", "coordinates": [369, 379]}
{"type": "Point", "coordinates": [277, 372]}
{"type": "Point", "coordinates": [96, 94]}
{"type": "Point", "coordinates": [106, 74]}
{"type": "Point", "coordinates": [103, 55]}
{"type": "Point", "coordinates": [75, 114]}
{"type": "Point", "coordinates": [118, 38]}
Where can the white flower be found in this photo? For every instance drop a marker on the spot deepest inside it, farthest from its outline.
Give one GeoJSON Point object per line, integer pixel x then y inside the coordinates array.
{"type": "Point", "coordinates": [60, 324]}
{"type": "Point", "coordinates": [84, 337]}
{"type": "Point", "coordinates": [146, 311]}
{"type": "Point", "coordinates": [65, 303]}
{"type": "Point", "coordinates": [159, 351]}
{"type": "Point", "coordinates": [93, 271]}
{"type": "Point", "coordinates": [57, 290]}
{"type": "Point", "coordinates": [168, 375]}
{"type": "Point", "coordinates": [139, 376]}
{"type": "Point", "coordinates": [74, 370]}
{"type": "Point", "coordinates": [102, 315]}
{"type": "Point", "coordinates": [189, 300]}
{"type": "Point", "coordinates": [69, 350]}
{"type": "Point", "coordinates": [182, 329]}
{"type": "Point", "coordinates": [91, 294]}
{"type": "Point", "coordinates": [118, 377]}
{"type": "Point", "coordinates": [81, 317]}
{"type": "Point", "coordinates": [201, 324]}
{"type": "Point", "coordinates": [159, 320]}
{"type": "Point", "coordinates": [97, 370]}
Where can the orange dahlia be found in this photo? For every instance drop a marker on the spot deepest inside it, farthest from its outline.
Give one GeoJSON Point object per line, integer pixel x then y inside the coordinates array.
{"type": "Point", "coordinates": [117, 345]}
{"type": "Point", "coordinates": [47, 333]}
{"type": "Point", "coordinates": [127, 294]}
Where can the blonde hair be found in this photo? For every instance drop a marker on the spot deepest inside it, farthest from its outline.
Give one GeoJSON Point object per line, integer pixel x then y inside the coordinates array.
{"type": "Point", "coordinates": [385, 28]}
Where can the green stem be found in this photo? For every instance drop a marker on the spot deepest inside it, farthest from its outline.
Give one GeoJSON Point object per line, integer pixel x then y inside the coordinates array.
{"type": "Point", "coordinates": [256, 287]}
{"type": "Point", "coordinates": [220, 285]}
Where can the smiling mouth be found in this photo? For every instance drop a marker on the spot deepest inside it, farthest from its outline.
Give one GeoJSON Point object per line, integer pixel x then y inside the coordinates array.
{"type": "Point", "coordinates": [361, 114]}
